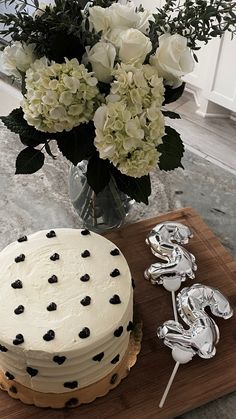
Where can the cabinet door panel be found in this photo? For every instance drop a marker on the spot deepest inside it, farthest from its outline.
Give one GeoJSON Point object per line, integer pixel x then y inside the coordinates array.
{"type": "Point", "coordinates": [223, 87]}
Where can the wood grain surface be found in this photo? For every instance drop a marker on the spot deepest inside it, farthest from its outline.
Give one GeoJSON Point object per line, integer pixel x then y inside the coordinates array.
{"type": "Point", "coordinates": [197, 382]}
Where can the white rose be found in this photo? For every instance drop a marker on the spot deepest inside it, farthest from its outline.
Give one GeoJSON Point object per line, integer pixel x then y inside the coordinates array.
{"type": "Point", "coordinates": [99, 18]}
{"type": "Point", "coordinates": [113, 36]}
{"type": "Point", "coordinates": [144, 19]}
{"type": "Point", "coordinates": [17, 58]}
{"type": "Point", "coordinates": [102, 57]}
{"type": "Point", "coordinates": [173, 59]}
{"type": "Point", "coordinates": [123, 16]}
{"type": "Point", "coordinates": [134, 46]}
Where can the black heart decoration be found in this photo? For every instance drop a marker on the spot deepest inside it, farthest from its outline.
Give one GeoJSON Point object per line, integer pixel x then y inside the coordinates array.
{"type": "Point", "coordinates": [50, 335]}
{"type": "Point", "coordinates": [59, 359]}
{"type": "Point", "coordinates": [116, 359]}
{"type": "Point", "coordinates": [20, 258]}
{"type": "Point", "coordinates": [72, 402]}
{"type": "Point", "coordinates": [115, 252]}
{"type": "Point", "coordinates": [115, 299]}
{"type": "Point", "coordinates": [118, 332]}
{"type": "Point", "coordinates": [71, 384]}
{"type": "Point", "coordinates": [9, 375]}
{"type": "Point", "coordinates": [115, 273]}
{"type": "Point", "coordinates": [32, 371]}
{"type": "Point", "coordinates": [84, 333]}
{"type": "Point", "coordinates": [51, 234]}
{"type": "Point", "coordinates": [130, 326]}
{"type": "Point", "coordinates": [98, 357]}
{"type": "Point", "coordinates": [22, 239]}
{"type": "Point", "coordinates": [18, 339]}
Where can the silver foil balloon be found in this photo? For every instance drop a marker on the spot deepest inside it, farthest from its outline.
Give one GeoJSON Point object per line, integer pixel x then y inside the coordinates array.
{"type": "Point", "coordinates": [162, 235]}
{"type": "Point", "coordinates": [180, 266]}
{"type": "Point", "coordinates": [203, 333]}
{"type": "Point", "coordinates": [179, 263]}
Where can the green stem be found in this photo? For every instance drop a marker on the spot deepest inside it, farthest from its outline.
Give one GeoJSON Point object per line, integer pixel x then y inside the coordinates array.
{"type": "Point", "coordinates": [93, 201]}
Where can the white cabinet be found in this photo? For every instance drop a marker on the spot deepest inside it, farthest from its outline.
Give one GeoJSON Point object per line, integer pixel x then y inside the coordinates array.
{"type": "Point", "coordinates": [221, 86]}
{"type": "Point", "coordinates": [214, 77]}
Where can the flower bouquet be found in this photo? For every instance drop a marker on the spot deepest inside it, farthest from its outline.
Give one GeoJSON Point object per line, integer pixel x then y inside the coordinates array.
{"type": "Point", "coordinates": [96, 76]}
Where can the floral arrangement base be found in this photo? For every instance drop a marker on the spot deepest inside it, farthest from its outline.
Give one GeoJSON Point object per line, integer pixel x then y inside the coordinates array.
{"type": "Point", "coordinates": [79, 396]}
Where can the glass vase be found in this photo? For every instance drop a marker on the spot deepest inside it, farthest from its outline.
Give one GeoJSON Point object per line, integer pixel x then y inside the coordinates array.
{"type": "Point", "coordinates": [100, 212]}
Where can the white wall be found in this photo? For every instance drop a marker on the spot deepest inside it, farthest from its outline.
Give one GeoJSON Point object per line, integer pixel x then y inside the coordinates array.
{"type": "Point", "coordinates": [148, 4]}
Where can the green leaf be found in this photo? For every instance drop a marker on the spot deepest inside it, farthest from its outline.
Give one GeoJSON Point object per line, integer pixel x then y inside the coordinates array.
{"type": "Point", "coordinates": [49, 151]}
{"type": "Point", "coordinates": [136, 188]}
{"type": "Point", "coordinates": [16, 123]}
{"type": "Point", "coordinates": [98, 173]}
{"type": "Point", "coordinates": [77, 144]}
{"type": "Point", "coordinates": [62, 44]}
{"type": "Point", "coordinates": [172, 150]}
{"type": "Point", "coordinates": [171, 95]}
{"type": "Point", "coordinates": [195, 57]}
{"type": "Point", "coordinates": [29, 161]}
{"type": "Point", "coordinates": [29, 141]}
{"type": "Point", "coordinates": [104, 88]}
{"type": "Point", "coordinates": [172, 115]}
{"type": "Point", "coordinates": [86, 25]}
{"type": "Point", "coordinates": [83, 3]}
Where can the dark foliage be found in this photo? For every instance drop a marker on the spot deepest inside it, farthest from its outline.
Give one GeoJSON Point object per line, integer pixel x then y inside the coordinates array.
{"type": "Point", "coordinates": [29, 161]}
{"type": "Point", "coordinates": [137, 188]}
{"type": "Point", "coordinates": [197, 20]}
{"type": "Point", "coordinates": [77, 144]}
{"type": "Point", "coordinates": [171, 149]}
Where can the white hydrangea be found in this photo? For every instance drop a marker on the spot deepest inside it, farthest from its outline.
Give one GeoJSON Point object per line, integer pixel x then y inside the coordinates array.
{"type": "Point", "coordinates": [146, 157]}
{"type": "Point", "coordinates": [59, 96]}
{"type": "Point", "coordinates": [140, 86]}
{"type": "Point", "coordinates": [16, 58]}
{"type": "Point", "coordinates": [131, 125]}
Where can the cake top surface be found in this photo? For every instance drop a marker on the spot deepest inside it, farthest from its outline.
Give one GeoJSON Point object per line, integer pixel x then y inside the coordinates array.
{"type": "Point", "coordinates": [62, 290]}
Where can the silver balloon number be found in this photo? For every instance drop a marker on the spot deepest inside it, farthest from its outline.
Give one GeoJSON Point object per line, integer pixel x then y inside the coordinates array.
{"type": "Point", "coordinates": [179, 263]}
{"type": "Point", "coordinates": [165, 242]}
{"type": "Point", "coordinates": [203, 333]}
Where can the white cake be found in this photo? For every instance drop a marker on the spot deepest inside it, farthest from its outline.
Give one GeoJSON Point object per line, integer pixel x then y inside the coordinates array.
{"type": "Point", "coordinates": [66, 308]}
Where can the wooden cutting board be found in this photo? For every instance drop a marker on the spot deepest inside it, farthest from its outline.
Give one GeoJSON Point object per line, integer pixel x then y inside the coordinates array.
{"type": "Point", "coordinates": [197, 382]}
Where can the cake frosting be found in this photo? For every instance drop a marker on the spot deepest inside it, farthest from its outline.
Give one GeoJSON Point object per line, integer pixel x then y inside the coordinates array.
{"type": "Point", "coordinates": [66, 308]}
